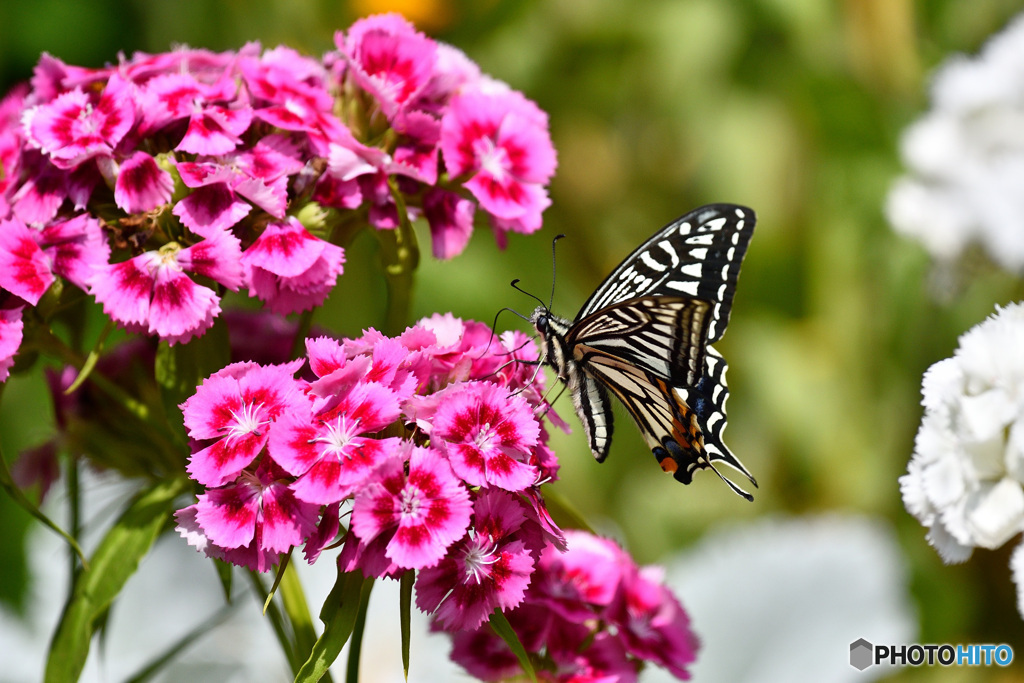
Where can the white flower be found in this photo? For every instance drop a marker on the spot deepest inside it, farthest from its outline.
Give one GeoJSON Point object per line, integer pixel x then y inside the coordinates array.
{"type": "Point", "coordinates": [966, 157]}
{"type": "Point", "coordinates": [965, 481]}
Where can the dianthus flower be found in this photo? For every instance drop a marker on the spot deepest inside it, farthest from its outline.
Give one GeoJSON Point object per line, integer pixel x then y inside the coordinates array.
{"type": "Point", "coordinates": [153, 292]}
{"type": "Point", "coordinates": [593, 614]}
{"type": "Point", "coordinates": [965, 481]}
{"type": "Point", "coordinates": [116, 172]}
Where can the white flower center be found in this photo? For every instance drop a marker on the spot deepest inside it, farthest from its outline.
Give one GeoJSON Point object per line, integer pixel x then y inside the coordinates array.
{"type": "Point", "coordinates": [493, 159]}
{"type": "Point", "coordinates": [339, 434]}
{"type": "Point", "coordinates": [246, 421]}
{"type": "Point", "coordinates": [477, 559]}
{"type": "Point", "coordinates": [410, 503]}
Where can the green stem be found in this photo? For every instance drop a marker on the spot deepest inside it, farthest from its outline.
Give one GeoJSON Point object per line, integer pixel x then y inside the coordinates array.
{"type": "Point", "coordinates": [75, 505]}
{"type": "Point", "coordinates": [400, 255]}
{"type": "Point", "coordinates": [297, 609]}
{"type": "Point", "coordinates": [356, 642]}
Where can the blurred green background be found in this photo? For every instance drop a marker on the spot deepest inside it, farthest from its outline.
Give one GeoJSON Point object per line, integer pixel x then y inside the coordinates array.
{"type": "Point", "coordinates": [792, 107]}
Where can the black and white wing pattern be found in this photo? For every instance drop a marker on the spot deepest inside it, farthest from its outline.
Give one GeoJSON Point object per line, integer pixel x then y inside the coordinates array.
{"type": "Point", "coordinates": [643, 335]}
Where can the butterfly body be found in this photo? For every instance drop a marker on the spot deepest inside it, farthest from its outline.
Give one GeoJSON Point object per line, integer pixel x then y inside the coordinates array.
{"type": "Point", "coordinates": [644, 336]}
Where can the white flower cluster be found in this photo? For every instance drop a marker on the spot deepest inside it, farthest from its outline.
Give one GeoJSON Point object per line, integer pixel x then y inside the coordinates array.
{"type": "Point", "coordinates": [965, 481]}
{"type": "Point", "coordinates": [965, 157]}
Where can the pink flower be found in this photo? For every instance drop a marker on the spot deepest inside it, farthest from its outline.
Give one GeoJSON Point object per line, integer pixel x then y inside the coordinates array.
{"type": "Point", "coordinates": [30, 259]}
{"type": "Point", "coordinates": [581, 580]}
{"type": "Point", "coordinates": [73, 128]}
{"type": "Point", "coordinates": [11, 328]}
{"type": "Point", "coordinates": [328, 453]}
{"type": "Point", "coordinates": [250, 556]}
{"type": "Point", "coordinates": [420, 513]}
{"type": "Point", "coordinates": [214, 205]}
{"type": "Point", "coordinates": [212, 128]}
{"type": "Point", "coordinates": [152, 290]}
{"type": "Point", "coordinates": [450, 217]}
{"type": "Point", "coordinates": [290, 92]}
{"type": "Point", "coordinates": [142, 185]}
{"type": "Point", "coordinates": [489, 568]}
{"type": "Point", "coordinates": [290, 269]}
{"type": "Point", "coordinates": [24, 268]}
{"type": "Point", "coordinates": [501, 140]}
{"type": "Point", "coordinates": [258, 508]}
{"type": "Point", "coordinates": [487, 433]}
{"type": "Point", "coordinates": [389, 59]}
{"type": "Point", "coordinates": [235, 407]}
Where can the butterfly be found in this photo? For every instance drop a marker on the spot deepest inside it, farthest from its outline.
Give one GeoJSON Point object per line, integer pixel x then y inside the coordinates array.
{"type": "Point", "coordinates": [644, 336]}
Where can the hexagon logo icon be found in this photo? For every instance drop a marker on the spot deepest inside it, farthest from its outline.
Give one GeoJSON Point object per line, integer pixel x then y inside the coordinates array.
{"type": "Point", "coordinates": [861, 652]}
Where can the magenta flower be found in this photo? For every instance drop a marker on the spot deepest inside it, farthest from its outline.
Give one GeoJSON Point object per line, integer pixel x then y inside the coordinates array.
{"type": "Point", "coordinates": [24, 268]}
{"type": "Point", "coordinates": [389, 59]}
{"type": "Point", "coordinates": [250, 556]}
{"type": "Point", "coordinates": [582, 579]}
{"type": "Point", "coordinates": [487, 433]}
{"type": "Point", "coordinates": [11, 328]}
{"type": "Point", "coordinates": [212, 128]}
{"type": "Point", "coordinates": [329, 453]}
{"type": "Point", "coordinates": [258, 508]}
{"type": "Point", "coordinates": [501, 141]}
{"type": "Point", "coordinates": [489, 568]}
{"type": "Point", "coordinates": [74, 127]}
{"type": "Point", "coordinates": [290, 93]}
{"type": "Point", "coordinates": [235, 407]}
{"type": "Point", "coordinates": [450, 217]}
{"type": "Point", "coordinates": [420, 514]}
{"type": "Point", "coordinates": [290, 269]}
{"type": "Point", "coordinates": [142, 185]}
{"type": "Point", "coordinates": [152, 290]}
{"type": "Point", "coordinates": [652, 623]}
{"type": "Point", "coordinates": [30, 259]}
{"type": "Point", "coordinates": [214, 205]}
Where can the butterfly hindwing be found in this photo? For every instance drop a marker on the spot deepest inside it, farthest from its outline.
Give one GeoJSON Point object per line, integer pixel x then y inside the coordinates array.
{"type": "Point", "coordinates": [685, 436]}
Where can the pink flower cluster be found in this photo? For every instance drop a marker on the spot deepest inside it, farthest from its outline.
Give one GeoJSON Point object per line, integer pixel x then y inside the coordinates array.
{"type": "Point", "coordinates": [160, 182]}
{"type": "Point", "coordinates": [590, 614]}
{"type": "Point", "coordinates": [431, 439]}
{"type": "Point", "coordinates": [430, 445]}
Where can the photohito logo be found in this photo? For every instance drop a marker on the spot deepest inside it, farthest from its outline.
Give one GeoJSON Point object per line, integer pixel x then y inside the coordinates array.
{"type": "Point", "coordinates": [863, 654]}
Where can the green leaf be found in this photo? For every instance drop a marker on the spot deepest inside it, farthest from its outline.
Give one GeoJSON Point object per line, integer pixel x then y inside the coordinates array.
{"type": "Point", "coordinates": [110, 567]}
{"type": "Point", "coordinates": [405, 608]}
{"type": "Point", "coordinates": [297, 609]}
{"type": "Point", "coordinates": [349, 593]}
{"type": "Point", "coordinates": [18, 496]}
{"type": "Point", "coordinates": [500, 625]}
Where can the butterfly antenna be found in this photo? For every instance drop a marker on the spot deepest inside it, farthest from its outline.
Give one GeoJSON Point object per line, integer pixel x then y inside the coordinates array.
{"type": "Point", "coordinates": [494, 327]}
{"type": "Point", "coordinates": [515, 286]}
{"type": "Point", "coordinates": [554, 261]}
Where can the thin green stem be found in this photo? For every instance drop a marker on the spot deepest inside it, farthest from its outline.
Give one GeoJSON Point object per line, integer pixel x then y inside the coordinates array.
{"type": "Point", "coordinates": [400, 255]}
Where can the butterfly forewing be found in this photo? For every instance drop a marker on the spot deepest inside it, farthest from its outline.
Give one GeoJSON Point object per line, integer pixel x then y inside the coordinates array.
{"type": "Point", "coordinates": [663, 335]}
{"type": "Point", "coordinates": [697, 255]}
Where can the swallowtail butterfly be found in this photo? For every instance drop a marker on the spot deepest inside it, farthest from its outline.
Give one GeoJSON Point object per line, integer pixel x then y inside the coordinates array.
{"type": "Point", "coordinates": [644, 335]}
